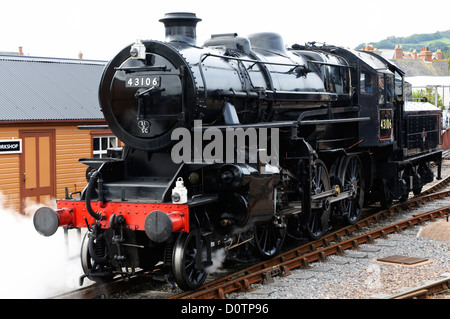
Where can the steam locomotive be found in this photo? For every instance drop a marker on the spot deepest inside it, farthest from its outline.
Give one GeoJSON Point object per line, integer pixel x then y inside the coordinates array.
{"type": "Point", "coordinates": [236, 145]}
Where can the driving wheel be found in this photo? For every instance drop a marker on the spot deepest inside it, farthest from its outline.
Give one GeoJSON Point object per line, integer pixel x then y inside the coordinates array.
{"type": "Point", "coordinates": [317, 223]}
{"type": "Point", "coordinates": [351, 176]}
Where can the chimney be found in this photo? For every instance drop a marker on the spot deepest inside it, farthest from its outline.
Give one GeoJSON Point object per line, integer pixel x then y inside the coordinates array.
{"type": "Point", "coordinates": [20, 50]}
{"type": "Point", "coordinates": [414, 54]}
{"type": "Point", "coordinates": [425, 54]}
{"type": "Point", "coordinates": [80, 55]}
{"type": "Point", "coordinates": [398, 52]}
{"type": "Point", "coordinates": [181, 27]}
{"type": "Point", "coordinates": [438, 54]}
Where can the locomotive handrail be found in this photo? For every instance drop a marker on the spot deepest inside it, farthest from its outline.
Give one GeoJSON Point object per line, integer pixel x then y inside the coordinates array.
{"type": "Point", "coordinates": [206, 55]}
{"type": "Point", "coordinates": [326, 111]}
{"type": "Point", "coordinates": [247, 126]}
{"type": "Point", "coordinates": [94, 178]}
{"type": "Point", "coordinates": [334, 121]}
{"type": "Point", "coordinates": [295, 65]}
{"type": "Point", "coordinates": [147, 68]}
{"type": "Point", "coordinates": [332, 64]}
{"type": "Point", "coordinates": [148, 92]}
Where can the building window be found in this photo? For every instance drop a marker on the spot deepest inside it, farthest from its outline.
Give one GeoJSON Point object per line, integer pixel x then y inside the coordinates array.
{"type": "Point", "coordinates": [101, 145]}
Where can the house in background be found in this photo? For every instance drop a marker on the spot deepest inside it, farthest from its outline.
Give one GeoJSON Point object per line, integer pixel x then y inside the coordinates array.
{"type": "Point", "coordinates": [422, 69]}
{"type": "Point", "coordinates": [43, 101]}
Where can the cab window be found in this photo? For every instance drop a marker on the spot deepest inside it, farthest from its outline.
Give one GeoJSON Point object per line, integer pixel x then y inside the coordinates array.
{"type": "Point", "coordinates": [390, 89]}
{"type": "Point", "coordinates": [398, 88]}
{"type": "Point", "coordinates": [386, 86]}
{"type": "Point", "coordinates": [380, 88]}
{"type": "Point", "coordinates": [367, 82]}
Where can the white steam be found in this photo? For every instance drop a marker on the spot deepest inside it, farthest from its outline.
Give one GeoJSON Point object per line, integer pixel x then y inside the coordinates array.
{"type": "Point", "coordinates": [218, 257]}
{"type": "Point", "coordinates": [34, 266]}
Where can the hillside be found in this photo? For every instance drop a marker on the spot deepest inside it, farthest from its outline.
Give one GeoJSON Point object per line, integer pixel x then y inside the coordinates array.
{"type": "Point", "coordinates": [437, 40]}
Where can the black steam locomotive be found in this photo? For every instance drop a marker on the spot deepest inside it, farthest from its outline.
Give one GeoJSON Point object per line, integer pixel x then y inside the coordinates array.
{"type": "Point", "coordinates": [235, 145]}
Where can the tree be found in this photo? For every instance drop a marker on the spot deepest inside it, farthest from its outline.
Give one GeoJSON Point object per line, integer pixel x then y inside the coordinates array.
{"type": "Point", "coordinates": [446, 55]}
{"type": "Point", "coordinates": [430, 94]}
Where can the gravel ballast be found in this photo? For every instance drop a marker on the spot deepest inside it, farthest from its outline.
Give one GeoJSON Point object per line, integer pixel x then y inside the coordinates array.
{"type": "Point", "coordinates": [357, 274]}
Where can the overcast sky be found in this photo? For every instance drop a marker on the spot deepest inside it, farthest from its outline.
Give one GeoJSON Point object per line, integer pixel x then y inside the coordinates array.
{"type": "Point", "coordinates": [62, 28]}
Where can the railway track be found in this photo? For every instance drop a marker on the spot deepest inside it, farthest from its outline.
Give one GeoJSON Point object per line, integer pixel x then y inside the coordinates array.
{"type": "Point", "coordinates": [425, 291]}
{"type": "Point", "coordinates": [100, 291]}
{"type": "Point", "coordinates": [302, 256]}
{"type": "Point", "coordinates": [309, 253]}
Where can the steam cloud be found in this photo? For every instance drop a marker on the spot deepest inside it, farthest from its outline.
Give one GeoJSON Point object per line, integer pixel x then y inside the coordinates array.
{"type": "Point", "coordinates": [218, 257]}
{"type": "Point", "coordinates": [33, 266]}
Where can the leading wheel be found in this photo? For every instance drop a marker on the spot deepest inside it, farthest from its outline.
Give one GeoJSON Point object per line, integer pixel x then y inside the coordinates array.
{"type": "Point", "coordinates": [93, 267]}
{"type": "Point", "coordinates": [351, 176]}
{"type": "Point", "coordinates": [187, 263]}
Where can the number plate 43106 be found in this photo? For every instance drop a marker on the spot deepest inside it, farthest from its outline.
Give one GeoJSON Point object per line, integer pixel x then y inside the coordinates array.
{"type": "Point", "coordinates": [142, 81]}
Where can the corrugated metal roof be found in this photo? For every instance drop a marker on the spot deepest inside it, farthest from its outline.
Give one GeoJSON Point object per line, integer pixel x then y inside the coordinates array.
{"type": "Point", "coordinates": [33, 88]}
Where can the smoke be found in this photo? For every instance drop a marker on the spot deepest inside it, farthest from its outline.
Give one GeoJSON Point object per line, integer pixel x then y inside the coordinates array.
{"type": "Point", "coordinates": [33, 266]}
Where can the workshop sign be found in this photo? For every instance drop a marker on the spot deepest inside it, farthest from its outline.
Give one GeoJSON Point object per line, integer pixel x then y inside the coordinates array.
{"type": "Point", "coordinates": [10, 146]}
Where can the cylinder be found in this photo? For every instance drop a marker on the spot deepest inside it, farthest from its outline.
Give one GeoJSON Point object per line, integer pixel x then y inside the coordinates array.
{"type": "Point", "coordinates": [46, 221]}
{"type": "Point", "coordinates": [159, 225]}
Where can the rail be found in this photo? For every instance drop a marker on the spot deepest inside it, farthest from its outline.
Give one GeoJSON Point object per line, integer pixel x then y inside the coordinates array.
{"type": "Point", "coordinates": [318, 250]}
{"type": "Point", "coordinates": [424, 291]}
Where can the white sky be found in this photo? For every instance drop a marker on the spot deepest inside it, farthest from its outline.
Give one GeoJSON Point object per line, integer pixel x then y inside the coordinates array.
{"type": "Point", "coordinates": [99, 29]}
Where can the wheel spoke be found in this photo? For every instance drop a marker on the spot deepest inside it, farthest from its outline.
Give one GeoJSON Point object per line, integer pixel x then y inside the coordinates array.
{"type": "Point", "coordinates": [319, 178]}
{"type": "Point", "coordinates": [352, 179]}
{"type": "Point", "coordinates": [269, 239]}
{"type": "Point", "coordinates": [186, 274]}
{"type": "Point", "coordinates": [317, 223]}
